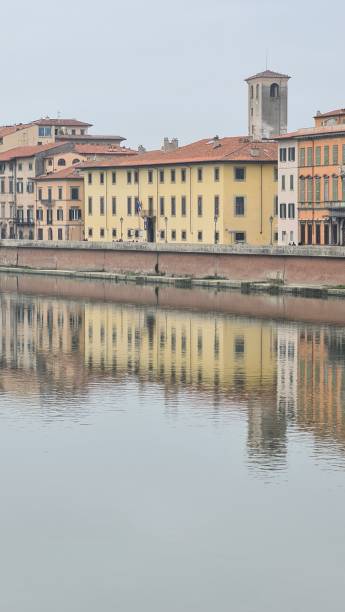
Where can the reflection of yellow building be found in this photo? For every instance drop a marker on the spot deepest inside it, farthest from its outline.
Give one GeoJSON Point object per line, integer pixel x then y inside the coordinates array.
{"type": "Point", "coordinates": [218, 353]}
{"type": "Point", "coordinates": [221, 190]}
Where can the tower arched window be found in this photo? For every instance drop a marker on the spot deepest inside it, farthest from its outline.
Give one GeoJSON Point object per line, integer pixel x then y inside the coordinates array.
{"type": "Point", "coordinates": [252, 91]}
{"type": "Point", "coordinates": [274, 90]}
{"type": "Point", "coordinates": [61, 162]}
{"type": "Point", "coordinates": [257, 91]}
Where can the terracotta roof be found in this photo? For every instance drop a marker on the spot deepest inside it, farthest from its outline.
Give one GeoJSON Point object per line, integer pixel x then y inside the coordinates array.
{"type": "Point", "coordinates": [268, 74]}
{"type": "Point", "coordinates": [11, 129]}
{"type": "Point", "coordinates": [334, 113]}
{"type": "Point", "coordinates": [66, 173]}
{"type": "Point", "coordinates": [239, 149]}
{"type": "Point", "coordinates": [28, 151]}
{"type": "Point", "coordinates": [61, 122]}
{"type": "Point", "coordinates": [90, 137]}
{"type": "Point", "coordinates": [100, 149]}
{"type": "Point", "coordinates": [314, 131]}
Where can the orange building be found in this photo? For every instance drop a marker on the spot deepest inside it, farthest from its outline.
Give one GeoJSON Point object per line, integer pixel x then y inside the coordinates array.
{"type": "Point", "coordinates": [335, 117]}
{"type": "Point", "coordinates": [321, 193]}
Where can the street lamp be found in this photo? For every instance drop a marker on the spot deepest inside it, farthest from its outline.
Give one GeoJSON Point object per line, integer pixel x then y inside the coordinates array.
{"type": "Point", "coordinates": [271, 222]}
{"type": "Point", "coordinates": [215, 228]}
{"type": "Point", "coordinates": [121, 221]}
{"type": "Point", "coordinates": [166, 228]}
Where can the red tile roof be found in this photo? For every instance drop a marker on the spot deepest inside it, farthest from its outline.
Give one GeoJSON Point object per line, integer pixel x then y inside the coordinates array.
{"type": "Point", "coordinates": [239, 149]}
{"type": "Point", "coordinates": [89, 137]}
{"type": "Point", "coordinates": [334, 113]}
{"type": "Point", "coordinates": [314, 131]}
{"type": "Point", "coordinates": [28, 151]}
{"type": "Point", "coordinates": [268, 74]}
{"type": "Point", "coordinates": [61, 122]}
{"type": "Point", "coordinates": [99, 149]}
{"type": "Point", "coordinates": [11, 129]}
{"type": "Point", "coordinates": [66, 173]}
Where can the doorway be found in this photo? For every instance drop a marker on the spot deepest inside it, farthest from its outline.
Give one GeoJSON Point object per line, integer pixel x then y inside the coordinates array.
{"type": "Point", "coordinates": [150, 228]}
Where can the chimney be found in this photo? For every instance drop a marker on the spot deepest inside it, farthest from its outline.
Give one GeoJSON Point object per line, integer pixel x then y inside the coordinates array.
{"type": "Point", "coordinates": [141, 149]}
{"type": "Point", "coordinates": [170, 145]}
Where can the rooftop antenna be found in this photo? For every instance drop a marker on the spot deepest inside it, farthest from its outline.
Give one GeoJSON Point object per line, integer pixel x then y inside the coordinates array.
{"type": "Point", "coordinates": [59, 114]}
{"type": "Point", "coordinates": [266, 59]}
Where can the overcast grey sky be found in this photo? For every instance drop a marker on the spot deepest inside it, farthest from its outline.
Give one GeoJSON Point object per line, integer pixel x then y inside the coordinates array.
{"type": "Point", "coordinates": [148, 69]}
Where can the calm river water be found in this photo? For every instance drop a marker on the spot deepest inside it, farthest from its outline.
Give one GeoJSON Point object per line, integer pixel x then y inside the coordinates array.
{"type": "Point", "coordinates": [166, 450]}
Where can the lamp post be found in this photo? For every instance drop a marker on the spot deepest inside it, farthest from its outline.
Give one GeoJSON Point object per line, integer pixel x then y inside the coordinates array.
{"type": "Point", "coordinates": [121, 221]}
{"type": "Point", "coordinates": [215, 228]}
{"type": "Point", "coordinates": [166, 228]}
{"type": "Point", "coordinates": [271, 222]}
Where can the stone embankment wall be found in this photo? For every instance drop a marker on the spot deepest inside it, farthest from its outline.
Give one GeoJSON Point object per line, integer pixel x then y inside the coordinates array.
{"type": "Point", "coordinates": [314, 266]}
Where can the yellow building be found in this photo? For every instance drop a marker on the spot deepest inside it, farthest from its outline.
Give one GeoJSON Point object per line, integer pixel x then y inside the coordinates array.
{"type": "Point", "coordinates": [221, 190]}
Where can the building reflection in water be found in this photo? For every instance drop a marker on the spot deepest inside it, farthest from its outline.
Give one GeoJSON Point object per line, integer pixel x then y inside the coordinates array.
{"type": "Point", "coordinates": [281, 377]}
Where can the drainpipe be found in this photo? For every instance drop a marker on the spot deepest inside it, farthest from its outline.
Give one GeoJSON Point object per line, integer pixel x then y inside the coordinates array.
{"type": "Point", "coordinates": [261, 201]}
{"type": "Point", "coordinates": [190, 198]}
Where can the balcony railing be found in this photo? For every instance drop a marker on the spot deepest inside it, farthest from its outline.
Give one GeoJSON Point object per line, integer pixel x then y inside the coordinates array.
{"type": "Point", "coordinates": [22, 221]}
{"type": "Point", "coordinates": [47, 202]}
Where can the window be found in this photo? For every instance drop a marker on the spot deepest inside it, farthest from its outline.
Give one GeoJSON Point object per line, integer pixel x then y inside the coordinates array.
{"type": "Point", "coordinates": [129, 233]}
{"type": "Point", "coordinates": [59, 233]}
{"type": "Point", "coordinates": [101, 178]}
{"type": "Point", "coordinates": [74, 193]}
{"type": "Point", "coordinates": [274, 90]}
{"type": "Point", "coordinates": [239, 206]}
{"type": "Point", "coordinates": [173, 234]}
{"type": "Point", "coordinates": [199, 174]}
{"type": "Point", "coordinates": [292, 183]}
{"type": "Point", "coordinates": [113, 177]}
{"type": "Point", "coordinates": [292, 153]}
{"type": "Point", "coordinates": [257, 91]}
{"type": "Point", "coordinates": [162, 235]}
{"type": "Point", "coordinates": [291, 211]}
{"type": "Point", "coordinates": [252, 92]}
{"type": "Point", "coordinates": [326, 189]}
{"type": "Point", "coordinates": [161, 206]}
{"type": "Point", "coordinates": [129, 177]}
{"type": "Point", "coordinates": [283, 182]}
{"type": "Point", "coordinates": [335, 154]}
{"type": "Point", "coordinates": [318, 156]}
{"type": "Point", "coordinates": [101, 206]}
{"type": "Point", "coordinates": [282, 154]}
{"type": "Point", "coordinates": [74, 214]}
{"type": "Point", "coordinates": [183, 235]}
{"type": "Point", "coordinates": [113, 232]}
{"type": "Point", "coordinates": [113, 205]}
{"type": "Point", "coordinates": [60, 193]}
{"type": "Point", "coordinates": [326, 155]}
{"type": "Point", "coordinates": [199, 206]}
{"type": "Point", "coordinates": [101, 232]}
{"type": "Point", "coordinates": [183, 206]}
{"type": "Point", "coordinates": [310, 190]}
{"type": "Point", "coordinates": [40, 234]}
{"type": "Point", "coordinates": [129, 205]}
{"type": "Point", "coordinates": [200, 236]}
{"type": "Point", "coordinates": [343, 154]}
{"type": "Point", "coordinates": [44, 131]}
{"type": "Point", "coordinates": [240, 174]}
{"type": "Point", "coordinates": [20, 166]}
{"type": "Point", "coordinates": [75, 161]}
{"type": "Point", "coordinates": [343, 189]}
{"type": "Point", "coordinates": [39, 214]}
{"type": "Point", "coordinates": [275, 173]}
{"type": "Point", "coordinates": [90, 232]}
{"type": "Point", "coordinates": [283, 211]}
{"type": "Point", "coordinates": [240, 236]}
{"type": "Point", "coordinates": [216, 206]}
{"type": "Point", "coordinates": [59, 214]}
{"type": "Point", "coordinates": [183, 175]}
{"type": "Point", "coordinates": [150, 201]}
{"type": "Point", "coordinates": [317, 189]}
{"type": "Point", "coordinates": [335, 188]}
{"type": "Point", "coordinates": [89, 205]}
{"type": "Point", "coordinates": [173, 176]}
{"type": "Point", "coordinates": [309, 156]}
{"type": "Point", "coordinates": [216, 175]}
{"type": "Point", "coordinates": [150, 176]}
{"type": "Point", "coordinates": [302, 157]}
{"type": "Point", "coordinates": [61, 162]}
{"type": "Point", "coordinates": [275, 205]}
{"type": "Point", "coordinates": [136, 176]}
{"type": "Point", "coordinates": [30, 165]}
{"type": "Point", "coordinates": [19, 186]}
{"type": "Point", "coordinates": [173, 206]}
{"type": "Point", "coordinates": [49, 194]}
{"type": "Point", "coordinates": [89, 178]}
{"type": "Point", "coordinates": [161, 176]}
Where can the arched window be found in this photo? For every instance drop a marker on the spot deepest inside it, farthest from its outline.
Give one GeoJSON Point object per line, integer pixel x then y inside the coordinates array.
{"type": "Point", "coordinates": [274, 90]}
{"type": "Point", "coordinates": [50, 234]}
{"type": "Point", "coordinates": [61, 162]}
{"type": "Point", "coordinates": [252, 91]}
{"type": "Point", "coordinates": [76, 161]}
{"type": "Point", "coordinates": [257, 91]}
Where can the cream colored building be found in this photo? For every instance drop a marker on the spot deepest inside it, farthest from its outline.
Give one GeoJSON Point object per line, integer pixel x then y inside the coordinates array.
{"type": "Point", "coordinates": [42, 131]}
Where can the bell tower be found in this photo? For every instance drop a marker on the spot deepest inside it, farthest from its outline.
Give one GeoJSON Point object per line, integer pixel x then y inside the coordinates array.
{"type": "Point", "coordinates": [267, 104]}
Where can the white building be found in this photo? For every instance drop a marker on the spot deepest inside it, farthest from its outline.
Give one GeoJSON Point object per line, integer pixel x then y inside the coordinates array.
{"type": "Point", "coordinates": [287, 192]}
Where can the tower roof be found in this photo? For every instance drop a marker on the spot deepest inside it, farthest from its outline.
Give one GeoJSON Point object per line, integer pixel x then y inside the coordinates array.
{"type": "Point", "coordinates": [268, 74]}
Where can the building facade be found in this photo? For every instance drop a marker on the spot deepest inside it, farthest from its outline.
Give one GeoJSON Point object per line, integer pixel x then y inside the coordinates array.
{"type": "Point", "coordinates": [212, 191]}
{"type": "Point", "coordinates": [40, 132]}
{"type": "Point", "coordinates": [287, 199]}
{"type": "Point", "coordinates": [267, 104]}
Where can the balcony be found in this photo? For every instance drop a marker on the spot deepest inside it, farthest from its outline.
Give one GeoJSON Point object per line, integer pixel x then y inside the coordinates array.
{"type": "Point", "coordinates": [21, 221]}
{"type": "Point", "coordinates": [47, 202]}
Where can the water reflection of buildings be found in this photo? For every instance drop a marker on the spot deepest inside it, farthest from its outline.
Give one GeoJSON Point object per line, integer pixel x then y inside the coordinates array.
{"type": "Point", "coordinates": [280, 375]}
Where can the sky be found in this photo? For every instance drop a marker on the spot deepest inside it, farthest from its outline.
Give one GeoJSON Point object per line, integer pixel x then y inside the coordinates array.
{"type": "Point", "coordinates": [146, 69]}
